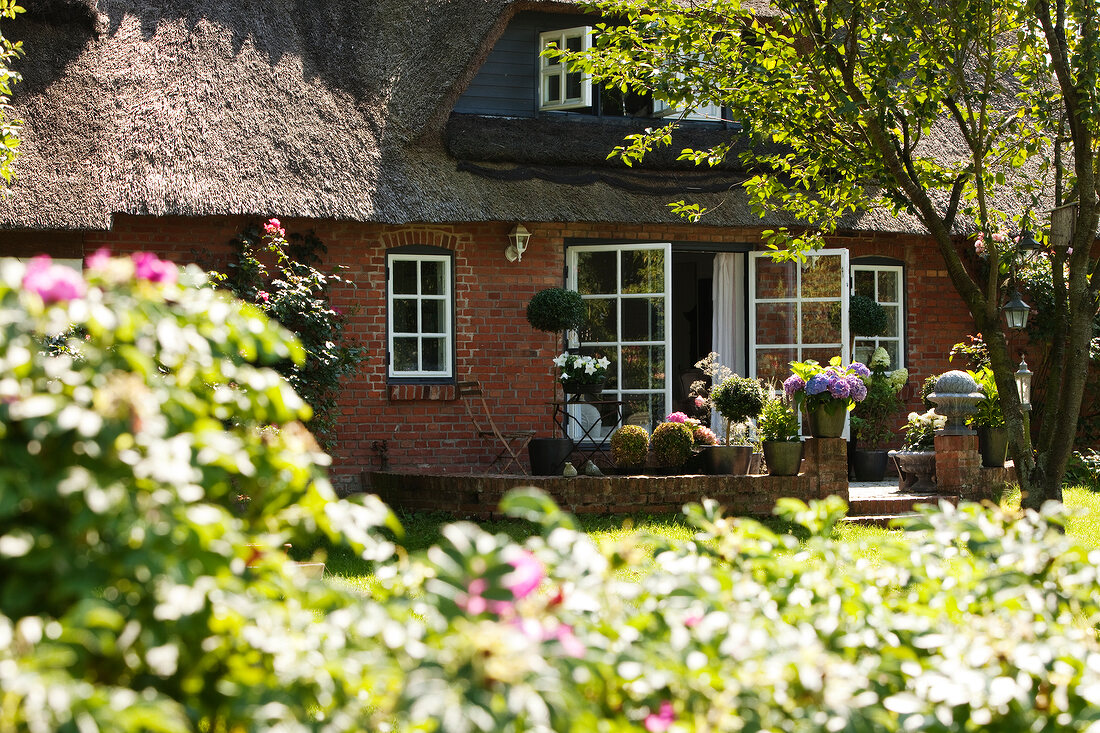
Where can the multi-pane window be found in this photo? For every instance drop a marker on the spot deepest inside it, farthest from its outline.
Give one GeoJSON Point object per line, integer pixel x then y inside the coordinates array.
{"type": "Point", "coordinates": [420, 306]}
{"type": "Point", "coordinates": [560, 88]}
{"type": "Point", "coordinates": [884, 284]}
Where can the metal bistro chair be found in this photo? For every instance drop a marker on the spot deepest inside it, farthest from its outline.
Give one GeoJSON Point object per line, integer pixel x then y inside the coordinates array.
{"type": "Point", "coordinates": [513, 442]}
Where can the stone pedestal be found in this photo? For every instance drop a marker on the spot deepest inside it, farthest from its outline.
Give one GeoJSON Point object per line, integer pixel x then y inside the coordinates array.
{"type": "Point", "coordinates": [959, 467]}
{"type": "Point", "coordinates": [826, 459]}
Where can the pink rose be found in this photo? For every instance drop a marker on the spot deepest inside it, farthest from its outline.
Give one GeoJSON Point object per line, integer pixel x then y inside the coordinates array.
{"type": "Point", "coordinates": [661, 721]}
{"type": "Point", "coordinates": [53, 283]}
{"type": "Point", "coordinates": [148, 267]}
{"type": "Point", "coordinates": [274, 228]}
{"type": "Point", "coordinates": [527, 575]}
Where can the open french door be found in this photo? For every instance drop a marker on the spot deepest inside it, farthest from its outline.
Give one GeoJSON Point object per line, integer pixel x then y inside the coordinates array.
{"type": "Point", "coordinates": [627, 290]}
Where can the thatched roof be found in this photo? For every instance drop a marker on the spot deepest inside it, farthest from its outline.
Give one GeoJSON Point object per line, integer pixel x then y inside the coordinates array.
{"type": "Point", "coordinates": [327, 109]}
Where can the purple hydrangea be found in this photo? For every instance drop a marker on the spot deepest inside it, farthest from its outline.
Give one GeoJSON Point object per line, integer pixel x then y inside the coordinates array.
{"type": "Point", "coordinates": [818, 384]}
{"type": "Point", "coordinates": [859, 369]}
{"type": "Point", "coordinates": [858, 390]}
{"type": "Point", "coordinates": [793, 384]}
{"type": "Point", "coordinates": [838, 386]}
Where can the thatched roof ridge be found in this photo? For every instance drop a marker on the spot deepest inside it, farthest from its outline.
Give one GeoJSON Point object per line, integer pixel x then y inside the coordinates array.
{"type": "Point", "coordinates": [325, 109]}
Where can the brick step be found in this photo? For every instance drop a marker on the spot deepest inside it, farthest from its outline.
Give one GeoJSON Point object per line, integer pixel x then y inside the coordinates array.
{"type": "Point", "coordinates": [894, 504]}
{"type": "Point", "coordinates": [876, 520]}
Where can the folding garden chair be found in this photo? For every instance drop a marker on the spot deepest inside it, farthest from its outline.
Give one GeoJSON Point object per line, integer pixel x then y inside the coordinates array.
{"type": "Point", "coordinates": [512, 442]}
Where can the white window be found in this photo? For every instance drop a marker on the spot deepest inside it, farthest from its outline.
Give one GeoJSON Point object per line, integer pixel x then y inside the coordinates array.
{"type": "Point", "coordinates": [885, 284]}
{"type": "Point", "coordinates": [705, 113]}
{"type": "Point", "coordinates": [560, 88]}
{"type": "Point", "coordinates": [420, 305]}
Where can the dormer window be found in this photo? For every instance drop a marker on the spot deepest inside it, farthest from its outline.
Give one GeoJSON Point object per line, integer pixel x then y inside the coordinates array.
{"type": "Point", "coordinates": [560, 88]}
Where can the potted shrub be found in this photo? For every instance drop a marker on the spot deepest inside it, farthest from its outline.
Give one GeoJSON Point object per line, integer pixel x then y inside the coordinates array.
{"type": "Point", "coordinates": [826, 393]}
{"type": "Point", "coordinates": [629, 448]}
{"type": "Point", "coordinates": [871, 418]}
{"type": "Point", "coordinates": [736, 399]}
{"type": "Point", "coordinates": [916, 461]}
{"type": "Point", "coordinates": [702, 437]}
{"type": "Point", "coordinates": [989, 421]}
{"type": "Point", "coordinates": [866, 317]}
{"type": "Point", "coordinates": [778, 429]}
{"type": "Point", "coordinates": [671, 445]}
{"type": "Point", "coordinates": [554, 310]}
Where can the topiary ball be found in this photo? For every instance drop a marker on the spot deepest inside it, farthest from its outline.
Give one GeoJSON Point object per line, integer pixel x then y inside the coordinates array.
{"type": "Point", "coordinates": [738, 398]}
{"type": "Point", "coordinates": [866, 317]}
{"type": "Point", "coordinates": [629, 446]}
{"type": "Point", "coordinates": [556, 309]}
{"type": "Point", "coordinates": [671, 444]}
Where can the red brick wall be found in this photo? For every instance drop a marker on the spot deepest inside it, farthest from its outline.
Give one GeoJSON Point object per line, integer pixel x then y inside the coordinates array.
{"type": "Point", "coordinates": [424, 428]}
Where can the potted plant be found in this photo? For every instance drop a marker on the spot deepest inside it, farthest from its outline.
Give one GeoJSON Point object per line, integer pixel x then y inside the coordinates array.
{"type": "Point", "coordinates": [866, 317]}
{"type": "Point", "coordinates": [989, 421]}
{"type": "Point", "coordinates": [916, 461]}
{"type": "Point", "coordinates": [581, 374]}
{"type": "Point", "coordinates": [736, 399]}
{"type": "Point", "coordinates": [778, 429]}
{"type": "Point", "coordinates": [629, 448]}
{"type": "Point", "coordinates": [554, 310]}
{"type": "Point", "coordinates": [826, 393]}
{"type": "Point", "coordinates": [671, 445]}
{"type": "Point", "coordinates": [871, 429]}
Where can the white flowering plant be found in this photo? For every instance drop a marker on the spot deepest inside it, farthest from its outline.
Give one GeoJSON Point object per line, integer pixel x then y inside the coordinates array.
{"type": "Point", "coordinates": [575, 369]}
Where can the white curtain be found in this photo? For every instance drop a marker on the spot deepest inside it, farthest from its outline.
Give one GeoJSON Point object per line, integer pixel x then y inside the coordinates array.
{"type": "Point", "coordinates": [728, 324]}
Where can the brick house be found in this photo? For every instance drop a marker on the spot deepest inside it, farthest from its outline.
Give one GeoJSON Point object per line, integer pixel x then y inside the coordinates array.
{"type": "Point", "coordinates": [413, 138]}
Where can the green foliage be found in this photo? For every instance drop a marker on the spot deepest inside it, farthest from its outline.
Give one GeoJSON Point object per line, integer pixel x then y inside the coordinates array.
{"type": "Point", "coordinates": [556, 309]}
{"type": "Point", "coordinates": [927, 387]}
{"type": "Point", "coordinates": [10, 129]}
{"type": "Point", "coordinates": [629, 446]}
{"type": "Point", "coordinates": [778, 420]}
{"type": "Point", "coordinates": [866, 317]}
{"type": "Point", "coordinates": [989, 413]}
{"type": "Point", "coordinates": [973, 350]}
{"type": "Point", "coordinates": [281, 278]}
{"type": "Point", "coordinates": [671, 444]}
{"type": "Point", "coordinates": [738, 398]}
{"type": "Point", "coordinates": [1084, 469]}
{"type": "Point", "coordinates": [871, 418]}
{"type": "Point", "coordinates": [126, 603]}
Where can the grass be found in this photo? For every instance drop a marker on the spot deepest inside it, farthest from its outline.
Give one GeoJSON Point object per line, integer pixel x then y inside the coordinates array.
{"type": "Point", "coordinates": [422, 530]}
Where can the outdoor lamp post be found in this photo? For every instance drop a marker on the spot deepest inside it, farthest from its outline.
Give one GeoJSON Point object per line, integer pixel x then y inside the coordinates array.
{"type": "Point", "coordinates": [1016, 311]}
{"type": "Point", "coordinates": [1023, 384]}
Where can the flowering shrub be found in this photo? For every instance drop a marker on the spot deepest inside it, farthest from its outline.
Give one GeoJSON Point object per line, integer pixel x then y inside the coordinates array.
{"type": "Point", "coordinates": [920, 430]}
{"type": "Point", "coordinates": [290, 289]}
{"type": "Point", "coordinates": [812, 385]}
{"type": "Point", "coordinates": [575, 369]}
{"type": "Point", "coordinates": [701, 435]}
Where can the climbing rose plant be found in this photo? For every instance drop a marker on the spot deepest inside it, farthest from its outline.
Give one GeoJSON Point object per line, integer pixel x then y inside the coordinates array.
{"type": "Point", "coordinates": [280, 276]}
{"type": "Point", "coordinates": [132, 598]}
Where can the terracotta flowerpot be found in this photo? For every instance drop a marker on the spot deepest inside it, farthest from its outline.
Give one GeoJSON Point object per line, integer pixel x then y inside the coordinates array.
{"type": "Point", "coordinates": [826, 421]}
{"type": "Point", "coordinates": [993, 445]}
{"type": "Point", "coordinates": [784, 457]}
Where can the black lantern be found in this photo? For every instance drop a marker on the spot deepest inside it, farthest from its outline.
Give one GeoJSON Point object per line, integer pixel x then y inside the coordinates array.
{"type": "Point", "coordinates": [1026, 244]}
{"type": "Point", "coordinates": [1023, 383]}
{"type": "Point", "coordinates": [1016, 311]}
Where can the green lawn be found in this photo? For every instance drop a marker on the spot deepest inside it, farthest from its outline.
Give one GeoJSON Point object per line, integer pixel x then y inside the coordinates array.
{"type": "Point", "coordinates": [422, 531]}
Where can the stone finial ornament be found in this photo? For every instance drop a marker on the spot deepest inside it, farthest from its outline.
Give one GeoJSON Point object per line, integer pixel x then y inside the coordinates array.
{"type": "Point", "coordinates": [956, 398]}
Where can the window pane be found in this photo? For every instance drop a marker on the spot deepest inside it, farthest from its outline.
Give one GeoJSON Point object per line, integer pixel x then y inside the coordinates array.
{"type": "Point", "coordinates": [646, 410]}
{"type": "Point", "coordinates": [821, 354]}
{"type": "Point", "coordinates": [404, 316]}
{"type": "Point", "coordinates": [774, 279]}
{"type": "Point", "coordinates": [774, 365]}
{"type": "Point", "coordinates": [865, 283]}
{"type": "Point", "coordinates": [822, 278]}
{"type": "Point", "coordinates": [775, 323]}
{"type": "Point", "coordinates": [596, 272]}
{"type": "Point", "coordinates": [433, 316]}
{"type": "Point", "coordinates": [610, 353]}
{"type": "Point", "coordinates": [551, 88]}
{"type": "Point", "coordinates": [404, 355]}
{"type": "Point", "coordinates": [863, 351]}
{"type": "Point", "coordinates": [888, 286]}
{"type": "Point", "coordinates": [432, 278]}
{"type": "Point", "coordinates": [644, 271]}
{"type": "Point", "coordinates": [643, 319]}
{"type": "Point", "coordinates": [892, 348]}
{"type": "Point", "coordinates": [573, 85]}
{"type": "Point", "coordinates": [643, 367]}
{"type": "Point", "coordinates": [603, 320]}
{"type": "Point", "coordinates": [891, 320]}
{"type": "Point", "coordinates": [821, 323]}
{"type": "Point", "coordinates": [573, 43]}
{"type": "Point", "coordinates": [433, 354]}
{"type": "Point", "coordinates": [404, 277]}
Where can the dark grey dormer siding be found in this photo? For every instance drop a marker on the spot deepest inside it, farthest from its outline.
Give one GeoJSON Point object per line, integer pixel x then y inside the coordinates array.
{"type": "Point", "coordinates": [507, 83]}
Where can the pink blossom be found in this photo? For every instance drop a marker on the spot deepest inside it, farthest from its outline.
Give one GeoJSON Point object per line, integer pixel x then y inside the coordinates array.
{"type": "Point", "coordinates": [660, 721]}
{"type": "Point", "coordinates": [677, 417]}
{"type": "Point", "coordinates": [472, 601]}
{"type": "Point", "coordinates": [53, 283]}
{"type": "Point", "coordinates": [274, 228]}
{"type": "Point", "coordinates": [148, 267]}
{"type": "Point", "coordinates": [98, 260]}
{"type": "Point", "coordinates": [570, 644]}
{"type": "Point", "coordinates": [526, 576]}
{"type": "Point", "coordinates": [262, 295]}
{"type": "Point", "coordinates": [700, 402]}
{"type": "Point", "coordinates": [692, 620]}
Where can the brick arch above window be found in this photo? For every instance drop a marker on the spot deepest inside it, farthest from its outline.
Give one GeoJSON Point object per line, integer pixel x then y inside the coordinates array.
{"type": "Point", "coordinates": [420, 237]}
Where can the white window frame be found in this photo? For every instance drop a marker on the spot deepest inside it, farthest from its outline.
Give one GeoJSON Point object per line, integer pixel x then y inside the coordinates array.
{"type": "Point", "coordinates": [549, 67]}
{"type": "Point", "coordinates": [703, 113]}
{"type": "Point", "coordinates": [448, 327]}
{"type": "Point", "coordinates": [900, 326]}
